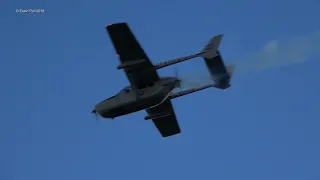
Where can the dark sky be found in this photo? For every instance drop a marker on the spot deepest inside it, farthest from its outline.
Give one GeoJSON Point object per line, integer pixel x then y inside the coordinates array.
{"type": "Point", "coordinates": [55, 66]}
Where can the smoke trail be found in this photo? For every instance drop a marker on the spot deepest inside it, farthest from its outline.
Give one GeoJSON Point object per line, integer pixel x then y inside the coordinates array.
{"type": "Point", "coordinates": [281, 52]}
{"type": "Point", "coordinates": [276, 53]}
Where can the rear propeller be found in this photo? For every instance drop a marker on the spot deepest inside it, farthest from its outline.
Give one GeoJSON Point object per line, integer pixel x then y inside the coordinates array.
{"type": "Point", "coordinates": [176, 73]}
{"type": "Point", "coordinates": [186, 84]}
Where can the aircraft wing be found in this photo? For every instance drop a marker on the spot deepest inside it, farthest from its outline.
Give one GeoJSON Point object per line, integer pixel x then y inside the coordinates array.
{"type": "Point", "coordinates": [131, 54]}
{"type": "Point", "coordinates": [167, 125]}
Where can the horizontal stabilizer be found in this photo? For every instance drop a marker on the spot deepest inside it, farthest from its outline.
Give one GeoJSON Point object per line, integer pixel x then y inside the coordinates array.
{"type": "Point", "coordinates": [211, 49]}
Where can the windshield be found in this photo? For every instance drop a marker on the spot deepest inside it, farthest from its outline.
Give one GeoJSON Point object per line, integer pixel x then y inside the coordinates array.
{"type": "Point", "coordinates": [126, 90]}
{"type": "Point", "coordinates": [111, 97]}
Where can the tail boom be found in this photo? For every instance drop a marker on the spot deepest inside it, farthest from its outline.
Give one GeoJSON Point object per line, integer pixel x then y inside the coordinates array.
{"type": "Point", "coordinates": [174, 61]}
{"type": "Point", "coordinates": [189, 91]}
{"type": "Point", "coordinates": [209, 51]}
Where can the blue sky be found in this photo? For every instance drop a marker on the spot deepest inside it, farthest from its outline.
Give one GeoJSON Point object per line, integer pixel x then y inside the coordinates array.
{"type": "Point", "coordinates": [57, 65]}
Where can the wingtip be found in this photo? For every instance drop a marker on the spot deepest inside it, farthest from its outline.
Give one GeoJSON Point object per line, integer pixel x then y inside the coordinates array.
{"type": "Point", "coordinates": [113, 24]}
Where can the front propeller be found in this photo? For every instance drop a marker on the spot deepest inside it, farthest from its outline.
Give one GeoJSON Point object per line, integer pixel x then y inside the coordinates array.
{"type": "Point", "coordinates": [96, 114]}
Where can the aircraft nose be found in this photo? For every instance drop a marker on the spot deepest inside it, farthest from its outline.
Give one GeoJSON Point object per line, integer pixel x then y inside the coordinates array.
{"type": "Point", "coordinates": [98, 113]}
{"type": "Point", "coordinates": [95, 113]}
{"type": "Point", "coordinates": [101, 110]}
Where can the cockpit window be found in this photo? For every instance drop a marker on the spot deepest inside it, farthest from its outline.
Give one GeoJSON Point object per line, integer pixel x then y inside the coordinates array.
{"type": "Point", "coordinates": [126, 90]}
{"type": "Point", "coordinates": [111, 97]}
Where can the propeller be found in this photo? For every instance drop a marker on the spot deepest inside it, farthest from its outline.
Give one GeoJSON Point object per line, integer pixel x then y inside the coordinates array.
{"type": "Point", "coordinates": [176, 73]}
{"type": "Point", "coordinates": [95, 114]}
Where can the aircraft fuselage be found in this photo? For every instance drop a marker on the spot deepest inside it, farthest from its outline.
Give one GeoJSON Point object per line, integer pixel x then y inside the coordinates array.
{"type": "Point", "coordinates": [130, 100]}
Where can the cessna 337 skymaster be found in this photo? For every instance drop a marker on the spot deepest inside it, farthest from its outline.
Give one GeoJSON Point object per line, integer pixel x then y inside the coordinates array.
{"type": "Point", "coordinates": [149, 91]}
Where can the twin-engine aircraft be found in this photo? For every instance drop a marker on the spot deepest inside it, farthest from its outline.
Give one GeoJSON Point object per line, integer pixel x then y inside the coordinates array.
{"type": "Point", "coordinates": [147, 90]}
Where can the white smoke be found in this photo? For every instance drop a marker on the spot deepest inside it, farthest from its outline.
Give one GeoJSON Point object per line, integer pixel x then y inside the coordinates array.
{"type": "Point", "coordinates": [275, 53]}
{"type": "Point", "coordinates": [281, 52]}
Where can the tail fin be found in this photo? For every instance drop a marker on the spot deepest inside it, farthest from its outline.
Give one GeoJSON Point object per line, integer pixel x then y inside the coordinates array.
{"type": "Point", "coordinates": [220, 73]}
{"type": "Point", "coordinates": [230, 69]}
{"type": "Point", "coordinates": [211, 49]}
